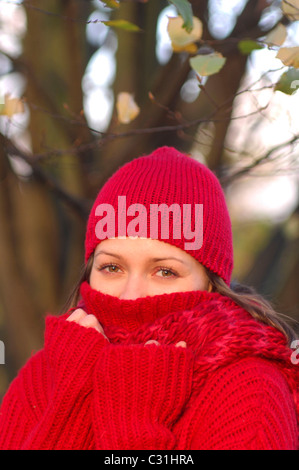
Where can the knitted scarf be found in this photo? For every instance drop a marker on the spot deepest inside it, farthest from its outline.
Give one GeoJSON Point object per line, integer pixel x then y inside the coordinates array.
{"type": "Point", "coordinates": [217, 330]}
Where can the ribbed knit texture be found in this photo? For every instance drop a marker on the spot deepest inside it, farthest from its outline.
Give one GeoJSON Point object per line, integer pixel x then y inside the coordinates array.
{"type": "Point", "coordinates": [170, 177]}
{"type": "Point", "coordinates": [233, 387]}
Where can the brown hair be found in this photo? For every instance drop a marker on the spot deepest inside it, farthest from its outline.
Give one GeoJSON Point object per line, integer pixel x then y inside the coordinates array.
{"type": "Point", "coordinates": [245, 296]}
{"type": "Point", "coordinates": [254, 303]}
{"type": "Point", "coordinates": [74, 296]}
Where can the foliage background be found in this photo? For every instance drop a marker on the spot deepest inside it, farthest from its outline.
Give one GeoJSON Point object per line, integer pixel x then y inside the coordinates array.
{"type": "Point", "coordinates": [68, 68]}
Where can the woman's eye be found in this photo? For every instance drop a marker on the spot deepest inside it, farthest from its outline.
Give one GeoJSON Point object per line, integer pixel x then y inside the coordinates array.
{"type": "Point", "coordinates": [167, 273]}
{"type": "Point", "coordinates": [110, 268]}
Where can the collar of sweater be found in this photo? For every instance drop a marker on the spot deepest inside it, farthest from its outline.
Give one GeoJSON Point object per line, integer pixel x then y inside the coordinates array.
{"type": "Point", "coordinates": [214, 326]}
{"type": "Point", "coordinates": [132, 314]}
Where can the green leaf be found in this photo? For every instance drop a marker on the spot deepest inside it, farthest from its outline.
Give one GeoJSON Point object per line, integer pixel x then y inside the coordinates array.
{"type": "Point", "coordinates": [288, 82]}
{"type": "Point", "coordinates": [185, 11]}
{"type": "Point", "coordinates": [122, 24]}
{"type": "Point", "coordinates": [207, 64]}
{"type": "Point", "coordinates": [246, 46]}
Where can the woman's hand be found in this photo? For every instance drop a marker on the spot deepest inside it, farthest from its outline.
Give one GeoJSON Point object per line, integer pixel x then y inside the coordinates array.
{"type": "Point", "coordinates": [80, 317]}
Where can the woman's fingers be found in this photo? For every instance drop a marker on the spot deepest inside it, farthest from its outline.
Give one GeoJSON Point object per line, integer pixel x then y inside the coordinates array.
{"type": "Point", "coordinates": [90, 321]}
{"type": "Point", "coordinates": [77, 315]}
{"type": "Point", "coordinates": [151, 341]}
{"type": "Point", "coordinates": [180, 344]}
{"type": "Point", "coordinates": [80, 317]}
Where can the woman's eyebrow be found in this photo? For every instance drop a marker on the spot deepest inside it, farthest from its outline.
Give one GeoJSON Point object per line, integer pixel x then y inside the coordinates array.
{"type": "Point", "coordinates": [107, 253]}
{"type": "Point", "coordinates": [152, 259]}
{"type": "Point", "coordinates": [167, 258]}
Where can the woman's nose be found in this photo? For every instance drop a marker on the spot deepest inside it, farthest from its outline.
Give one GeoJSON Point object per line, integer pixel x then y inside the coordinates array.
{"type": "Point", "coordinates": [134, 288]}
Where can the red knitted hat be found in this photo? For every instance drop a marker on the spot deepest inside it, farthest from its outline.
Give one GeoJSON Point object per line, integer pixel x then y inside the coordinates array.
{"type": "Point", "coordinates": [167, 196]}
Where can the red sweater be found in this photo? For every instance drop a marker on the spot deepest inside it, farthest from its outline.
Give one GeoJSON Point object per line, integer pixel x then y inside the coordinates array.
{"type": "Point", "coordinates": [233, 387]}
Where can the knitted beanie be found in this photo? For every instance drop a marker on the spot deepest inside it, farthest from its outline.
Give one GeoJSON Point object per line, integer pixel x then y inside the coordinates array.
{"type": "Point", "coordinates": [167, 196]}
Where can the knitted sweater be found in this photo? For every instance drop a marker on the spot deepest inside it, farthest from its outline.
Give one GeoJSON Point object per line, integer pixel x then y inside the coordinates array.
{"type": "Point", "coordinates": [233, 387]}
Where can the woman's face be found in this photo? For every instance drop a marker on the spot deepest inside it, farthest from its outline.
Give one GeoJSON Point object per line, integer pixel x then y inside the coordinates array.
{"type": "Point", "coordinates": [131, 268]}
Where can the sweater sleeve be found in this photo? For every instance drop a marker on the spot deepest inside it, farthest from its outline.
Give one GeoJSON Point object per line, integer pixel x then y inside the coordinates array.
{"type": "Point", "coordinates": [245, 406]}
{"type": "Point", "coordinates": [47, 405]}
{"type": "Point", "coordinates": [140, 391]}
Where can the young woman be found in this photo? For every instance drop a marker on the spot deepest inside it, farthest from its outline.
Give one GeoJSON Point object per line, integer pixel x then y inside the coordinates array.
{"type": "Point", "coordinates": [155, 350]}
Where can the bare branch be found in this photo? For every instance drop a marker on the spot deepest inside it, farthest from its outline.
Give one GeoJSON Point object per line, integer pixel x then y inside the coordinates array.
{"type": "Point", "coordinates": [81, 207]}
{"type": "Point", "coordinates": [259, 161]}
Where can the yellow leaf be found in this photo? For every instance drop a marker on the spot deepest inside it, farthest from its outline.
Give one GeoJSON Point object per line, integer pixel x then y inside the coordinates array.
{"type": "Point", "coordinates": [122, 24]}
{"type": "Point", "coordinates": [11, 106]}
{"type": "Point", "coordinates": [290, 9]}
{"type": "Point", "coordinates": [277, 36]}
{"type": "Point", "coordinates": [111, 3]}
{"type": "Point", "coordinates": [181, 40]}
{"type": "Point", "coordinates": [289, 56]}
{"type": "Point", "coordinates": [127, 109]}
{"type": "Point", "coordinates": [191, 48]}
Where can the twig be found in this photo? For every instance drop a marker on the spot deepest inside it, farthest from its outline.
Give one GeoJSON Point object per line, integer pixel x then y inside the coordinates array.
{"type": "Point", "coordinates": [259, 161]}
{"type": "Point", "coordinates": [79, 205]}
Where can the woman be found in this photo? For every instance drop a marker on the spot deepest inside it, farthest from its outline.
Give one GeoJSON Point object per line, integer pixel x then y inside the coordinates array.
{"type": "Point", "coordinates": [156, 351]}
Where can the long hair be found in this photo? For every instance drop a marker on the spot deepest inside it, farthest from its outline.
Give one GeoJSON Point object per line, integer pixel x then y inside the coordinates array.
{"type": "Point", "coordinates": [73, 298]}
{"type": "Point", "coordinates": [245, 296]}
{"type": "Point", "coordinates": [255, 304]}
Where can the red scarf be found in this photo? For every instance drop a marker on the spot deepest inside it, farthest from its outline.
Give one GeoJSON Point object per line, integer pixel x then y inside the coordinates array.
{"type": "Point", "coordinates": [214, 326]}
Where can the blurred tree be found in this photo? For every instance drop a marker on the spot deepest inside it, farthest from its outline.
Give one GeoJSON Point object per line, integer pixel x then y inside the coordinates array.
{"type": "Point", "coordinates": [43, 211]}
